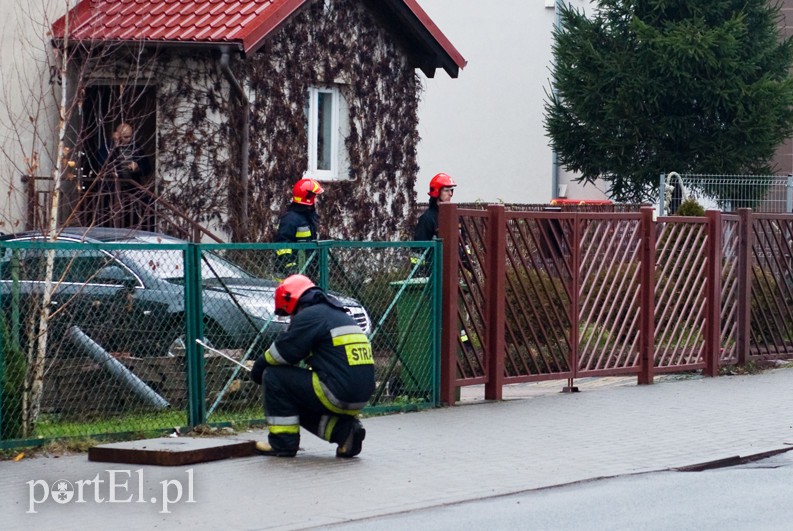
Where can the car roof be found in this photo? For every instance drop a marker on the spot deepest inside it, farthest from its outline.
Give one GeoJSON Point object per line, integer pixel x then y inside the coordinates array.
{"type": "Point", "coordinates": [102, 234]}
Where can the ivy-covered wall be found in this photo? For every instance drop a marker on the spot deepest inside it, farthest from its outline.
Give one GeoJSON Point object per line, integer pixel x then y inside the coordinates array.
{"type": "Point", "coordinates": [334, 42]}
{"type": "Point", "coordinates": [194, 164]}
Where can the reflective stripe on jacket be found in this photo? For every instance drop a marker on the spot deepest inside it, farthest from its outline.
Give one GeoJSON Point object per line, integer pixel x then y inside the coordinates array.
{"type": "Point", "coordinates": [298, 224]}
{"type": "Point", "coordinates": [329, 340]}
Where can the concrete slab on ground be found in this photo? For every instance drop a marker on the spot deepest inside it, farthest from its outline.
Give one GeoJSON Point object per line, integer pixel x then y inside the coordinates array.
{"type": "Point", "coordinates": [168, 451]}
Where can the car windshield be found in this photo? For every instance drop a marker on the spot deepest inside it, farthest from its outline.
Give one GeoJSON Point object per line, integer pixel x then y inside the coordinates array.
{"type": "Point", "coordinates": [169, 264]}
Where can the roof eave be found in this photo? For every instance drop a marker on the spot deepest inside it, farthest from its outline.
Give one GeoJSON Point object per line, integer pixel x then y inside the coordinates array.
{"type": "Point", "coordinates": [428, 47]}
{"type": "Point", "coordinates": [256, 39]}
{"type": "Point", "coordinates": [74, 17]}
{"type": "Point", "coordinates": [450, 58]}
{"type": "Point", "coordinates": [157, 44]}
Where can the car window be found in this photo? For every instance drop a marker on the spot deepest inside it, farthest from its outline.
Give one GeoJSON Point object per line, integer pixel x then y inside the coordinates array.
{"type": "Point", "coordinates": [83, 267]}
{"type": "Point", "coordinates": [10, 260]}
{"type": "Point", "coordinates": [31, 264]}
{"type": "Point", "coordinates": [169, 264]}
{"type": "Point", "coordinates": [73, 266]}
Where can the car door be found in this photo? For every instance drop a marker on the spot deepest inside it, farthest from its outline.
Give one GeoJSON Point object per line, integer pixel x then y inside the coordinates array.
{"type": "Point", "coordinates": [74, 301]}
{"type": "Point", "coordinates": [92, 291]}
{"type": "Point", "coordinates": [21, 293]}
{"type": "Point", "coordinates": [122, 311]}
{"type": "Point", "coordinates": [100, 298]}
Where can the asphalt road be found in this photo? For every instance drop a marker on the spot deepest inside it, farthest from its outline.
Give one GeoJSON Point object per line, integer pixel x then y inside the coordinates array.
{"type": "Point", "coordinates": [756, 496]}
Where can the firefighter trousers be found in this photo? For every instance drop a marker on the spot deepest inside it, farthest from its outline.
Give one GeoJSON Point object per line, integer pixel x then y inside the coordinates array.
{"type": "Point", "coordinates": [290, 402]}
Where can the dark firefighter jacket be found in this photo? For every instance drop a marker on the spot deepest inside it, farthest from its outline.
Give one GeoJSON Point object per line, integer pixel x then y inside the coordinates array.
{"type": "Point", "coordinates": [333, 346]}
{"type": "Point", "coordinates": [298, 224]}
{"type": "Point", "coordinates": [427, 229]}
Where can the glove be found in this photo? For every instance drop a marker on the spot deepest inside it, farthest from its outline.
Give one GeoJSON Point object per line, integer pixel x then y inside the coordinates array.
{"type": "Point", "coordinates": [257, 372]}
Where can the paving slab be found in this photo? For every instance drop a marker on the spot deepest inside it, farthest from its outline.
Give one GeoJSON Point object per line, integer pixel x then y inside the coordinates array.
{"type": "Point", "coordinates": [171, 451]}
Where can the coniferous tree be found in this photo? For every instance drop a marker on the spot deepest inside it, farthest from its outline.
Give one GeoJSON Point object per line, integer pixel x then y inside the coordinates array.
{"type": "Point", "coordinates": [651, 86]}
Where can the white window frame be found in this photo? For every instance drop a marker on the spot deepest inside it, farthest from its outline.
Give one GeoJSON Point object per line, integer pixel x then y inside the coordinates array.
{"type": "Point", "coordinates": [314, 172]}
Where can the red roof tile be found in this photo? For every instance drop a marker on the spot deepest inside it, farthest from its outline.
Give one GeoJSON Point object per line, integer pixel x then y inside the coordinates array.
{"type": "Point", "coordinates": [232, 21]}
{"type": "Point", "coordinates": [242, 22]}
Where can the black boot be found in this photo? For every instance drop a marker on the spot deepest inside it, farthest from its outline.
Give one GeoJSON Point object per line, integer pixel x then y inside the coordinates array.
{"type": "Point", "coordinates": [353, 443]}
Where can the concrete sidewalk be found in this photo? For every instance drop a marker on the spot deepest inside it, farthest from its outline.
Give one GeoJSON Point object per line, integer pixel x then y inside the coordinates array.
{"type": "Point", "coordinates": [425, 459]}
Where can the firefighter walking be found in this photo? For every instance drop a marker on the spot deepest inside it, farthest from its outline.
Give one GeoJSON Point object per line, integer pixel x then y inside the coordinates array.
{"type": "Point", "coordinates": [326, 397]}
{"type": "Point", "coordinates": [300, 223]}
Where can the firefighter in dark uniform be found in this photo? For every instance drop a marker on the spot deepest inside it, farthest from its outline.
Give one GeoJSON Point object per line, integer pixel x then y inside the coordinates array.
{"type": "Point", "coordinates": [298, 224]}
{"type": "Point", "coordinates": [441, 191]}
{"type": "Point", "coordinates": [326, 397]}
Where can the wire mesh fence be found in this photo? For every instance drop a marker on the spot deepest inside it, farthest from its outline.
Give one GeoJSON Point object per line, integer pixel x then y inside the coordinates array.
{"type": "Point", "coordinates": [728, 193]}
{"type": "Point", "coordinates": [100, 338]}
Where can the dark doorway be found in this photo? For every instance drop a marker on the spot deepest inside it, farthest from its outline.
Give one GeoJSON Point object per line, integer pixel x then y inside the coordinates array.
{"type": "Point", "coordinates": [118, 170]}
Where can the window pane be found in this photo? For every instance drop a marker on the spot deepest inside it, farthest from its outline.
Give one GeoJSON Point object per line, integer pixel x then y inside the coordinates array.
{"type": "Point", "coordinates": [324, 129]}
{"type": "Point", "coordinates": [167, 264]}
{"type": "Point", "coordinates": [84, 268]}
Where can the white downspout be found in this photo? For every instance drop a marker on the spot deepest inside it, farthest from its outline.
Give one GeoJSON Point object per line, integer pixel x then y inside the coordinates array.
{"type": "Point", "coordinates": [554, 156]}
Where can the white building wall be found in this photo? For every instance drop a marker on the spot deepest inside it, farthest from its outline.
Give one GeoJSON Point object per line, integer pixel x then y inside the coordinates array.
{"type": "Point", "coordinates": [485, 128]}
{"type": "Point", "coordinates": [28, 114]}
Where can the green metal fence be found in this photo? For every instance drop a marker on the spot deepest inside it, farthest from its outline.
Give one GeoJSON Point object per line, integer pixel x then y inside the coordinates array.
{"type": "Point", "coordinates": [100, 339]}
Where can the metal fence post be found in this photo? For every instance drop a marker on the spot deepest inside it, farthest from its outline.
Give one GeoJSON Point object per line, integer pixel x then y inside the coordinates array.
{"type": "Point", "coordinates": [713, 305]}
{"type": "Point", "coordinates": [450, 235]}
{"type": "Point", "coordinates": [324, 273]}
{"type": "Point", "coordinates": [437, 319]}
{"type": "Point", "coordinates": [495, 282]}
{"type": "Point", "coordinates": [789, 194]}
{"type": "Point", "coordinates": [2, 377]}
{"type": "Point", "coordinates": [662, 195]}
{"type": "Point", "coordinates": [575, 311]}
{"type": "Point", "coordinates": [647, 298]}
{"type": "Point", "coordinates": [196, 385]}
{"type": "Point", "coordinates": [743, 333]}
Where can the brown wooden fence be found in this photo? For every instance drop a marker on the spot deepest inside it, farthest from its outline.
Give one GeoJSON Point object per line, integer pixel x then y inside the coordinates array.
{"type": "Point", "coordinates": [531, 295]}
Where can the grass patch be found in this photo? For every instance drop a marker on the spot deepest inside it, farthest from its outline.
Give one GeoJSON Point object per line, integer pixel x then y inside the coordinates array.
{"type": "Point", "coordinates": [51, 426]}
{"type": "Point", "coordinates": [59, 447]}
{"type": "Point", "coordinates": [243, 416]}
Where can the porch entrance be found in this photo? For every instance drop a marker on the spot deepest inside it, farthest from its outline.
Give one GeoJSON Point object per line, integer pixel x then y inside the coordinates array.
{"type": "Point", "coordinates": [111, 195]}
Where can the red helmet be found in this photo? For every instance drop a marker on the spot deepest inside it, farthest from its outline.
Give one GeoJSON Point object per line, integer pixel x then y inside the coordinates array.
{"type": "Point", "coordinates": [305, 191]}
{"type": "Point", "coordinates": [441, 180]}
{"type": "Point", "coordinates": [289, 292]}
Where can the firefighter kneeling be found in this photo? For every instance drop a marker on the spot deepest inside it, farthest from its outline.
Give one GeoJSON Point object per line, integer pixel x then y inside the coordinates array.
{"type": "Point", "coordinates": [325, 398]}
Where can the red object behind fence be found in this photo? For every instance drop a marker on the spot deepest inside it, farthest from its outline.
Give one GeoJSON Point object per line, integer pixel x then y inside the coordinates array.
{"type": "Point", "coordinates": [565, 201]}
